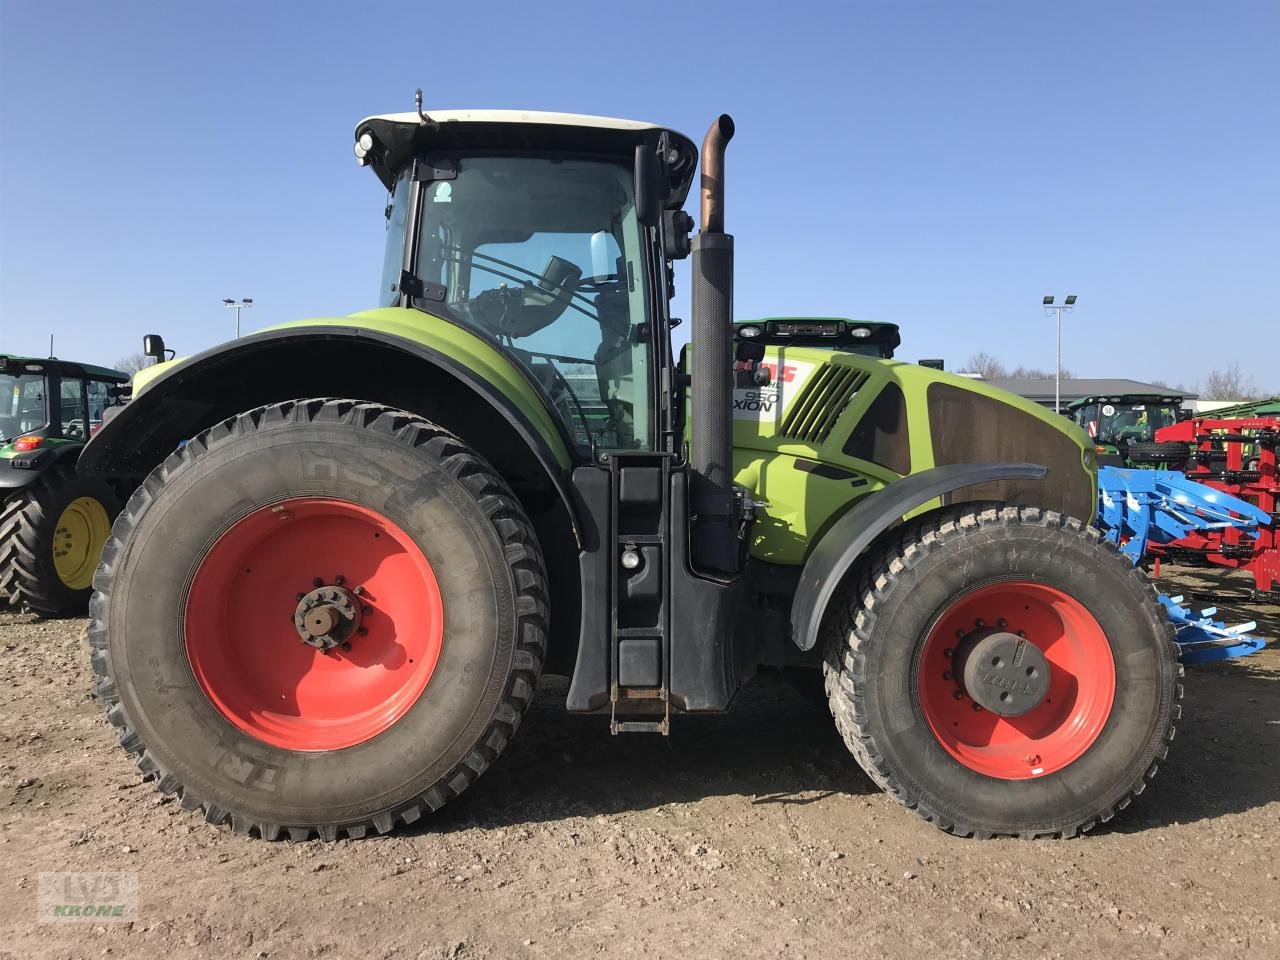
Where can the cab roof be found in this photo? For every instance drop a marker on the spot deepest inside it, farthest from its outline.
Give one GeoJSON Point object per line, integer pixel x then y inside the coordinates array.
{"type": "Point", "coordinates": [14, 365]}
{"type": "Point", "coordinates": [512, 116]}
{"type": "Point", "coordinates": [398, 137]}
{"type": "Point", "coordinates": [1126, 398]}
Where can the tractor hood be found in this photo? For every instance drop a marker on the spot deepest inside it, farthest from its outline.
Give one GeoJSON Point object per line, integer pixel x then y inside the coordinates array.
{"type": "Point", "coordinates": [830, 425]}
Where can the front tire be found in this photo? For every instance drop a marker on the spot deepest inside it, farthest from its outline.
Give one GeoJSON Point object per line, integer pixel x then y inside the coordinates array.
{"type": "Point", "coordinates": [430, 593]}
{"type": "Point", "coordinates": [1097, 720]}
{"type": "Point", "coordinates": [1168, 452]}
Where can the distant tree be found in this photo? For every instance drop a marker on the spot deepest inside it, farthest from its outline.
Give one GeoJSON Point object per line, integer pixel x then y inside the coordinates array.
{"type": "Point", "coordinates": [132, 363]}
{"type": "Point", "coordinates": [991, 368]}
{"type": "Point", "coordinates": [1035, 373]}
{"type": "Point", "coordinates": [985, 366]}
{"type": "Point", "coordinates": [1229, 383]}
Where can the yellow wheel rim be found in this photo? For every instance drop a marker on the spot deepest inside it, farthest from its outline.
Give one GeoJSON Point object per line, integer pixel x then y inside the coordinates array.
{"type": "Point", "coordinates": [77, 542]}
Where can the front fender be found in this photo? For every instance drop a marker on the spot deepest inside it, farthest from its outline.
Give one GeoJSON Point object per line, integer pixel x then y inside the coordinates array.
{"type": "Point", "coordinates": [850, 536]}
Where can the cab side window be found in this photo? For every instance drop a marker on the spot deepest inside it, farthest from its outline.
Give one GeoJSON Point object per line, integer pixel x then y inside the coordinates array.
{"type": "Point", "coordinates": [72, 408]}
{"type": "Point", "coordinates": [99, 400]}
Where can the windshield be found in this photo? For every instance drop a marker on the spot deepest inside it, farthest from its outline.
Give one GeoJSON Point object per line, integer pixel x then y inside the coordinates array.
{"type": "Point", "coordinates": [22, 406]}
{"type": "Point", "coordinates": [1128, 422]}
{"type": "Point", "coordinates": [544, 256]}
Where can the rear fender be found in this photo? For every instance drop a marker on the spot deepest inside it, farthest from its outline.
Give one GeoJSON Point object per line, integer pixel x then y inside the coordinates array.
{"type": "Point", "coordinates": [321, 361]}
{"type": "Point", "coordinates": [41, 461]}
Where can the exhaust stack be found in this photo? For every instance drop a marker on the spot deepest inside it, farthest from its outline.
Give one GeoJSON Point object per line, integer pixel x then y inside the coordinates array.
{"type": "Point", "coordinates": [715, 538]}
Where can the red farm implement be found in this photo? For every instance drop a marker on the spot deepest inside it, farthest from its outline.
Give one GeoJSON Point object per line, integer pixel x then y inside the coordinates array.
{"type": "Point", "coordinates": [1236, 456]}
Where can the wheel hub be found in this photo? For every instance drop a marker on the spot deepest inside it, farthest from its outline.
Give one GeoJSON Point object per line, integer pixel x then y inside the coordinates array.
{"type": "Point", "coordinates": [327, 616]}
{"type": "Point", "coordinates": [1002, 672]}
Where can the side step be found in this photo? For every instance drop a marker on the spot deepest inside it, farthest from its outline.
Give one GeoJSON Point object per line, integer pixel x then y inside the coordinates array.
{"type": "Point", "coordinates": [639, 589]}
{"type": "Point", "coordinates": [662, 726]}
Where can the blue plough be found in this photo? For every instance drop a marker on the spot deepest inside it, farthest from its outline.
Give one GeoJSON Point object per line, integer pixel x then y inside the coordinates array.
{"type": "Point", "coordinates": [1160, 506]}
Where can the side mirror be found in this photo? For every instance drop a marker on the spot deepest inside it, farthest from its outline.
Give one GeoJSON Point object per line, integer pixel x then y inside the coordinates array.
{"type": "Point", "coordinates": [153, 347]}
{"type": "Point", "coordinates": [676, 227]}
{"type": "Point", "coordinates": [650, 186]}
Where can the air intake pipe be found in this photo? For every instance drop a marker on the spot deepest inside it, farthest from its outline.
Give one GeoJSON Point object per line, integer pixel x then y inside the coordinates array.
{"type": "Point", "coordinates": [715, 538]}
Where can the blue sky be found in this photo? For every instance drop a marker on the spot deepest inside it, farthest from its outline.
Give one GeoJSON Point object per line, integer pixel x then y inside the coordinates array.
{"type": "Point", "coordinates": [941, 165]}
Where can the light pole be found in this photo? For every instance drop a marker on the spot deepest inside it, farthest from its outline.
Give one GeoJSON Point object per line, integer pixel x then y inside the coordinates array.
{"type": "Point", "coordinates": [1068, 305]}
{"type": "Point", "coordinates": [237, 306]}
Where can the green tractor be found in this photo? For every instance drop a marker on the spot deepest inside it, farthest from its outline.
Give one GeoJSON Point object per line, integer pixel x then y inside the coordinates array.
{"type": "Point", "coordinates": [1123, 428]}
{"type": "Point", "coordinates": [357, 541]}
{"type": "Point", "coordinates": [53, 523]}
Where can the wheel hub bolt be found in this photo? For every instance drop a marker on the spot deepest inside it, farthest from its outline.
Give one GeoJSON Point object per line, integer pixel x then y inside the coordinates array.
{"type": "Point", "coordinates": [326, 617]}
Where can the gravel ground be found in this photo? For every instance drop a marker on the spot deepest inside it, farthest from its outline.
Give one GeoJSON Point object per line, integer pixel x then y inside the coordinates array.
{"type": "Point", "coordinates": [749, 835]}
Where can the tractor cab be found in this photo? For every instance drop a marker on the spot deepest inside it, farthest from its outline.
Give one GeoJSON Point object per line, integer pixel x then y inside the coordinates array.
{"type": "Point", "coordinates": [1117, 422]}
{"type": "Point", "coordinates": [45, 403]}
{"type": "Point", "coordinates": [524, 228]}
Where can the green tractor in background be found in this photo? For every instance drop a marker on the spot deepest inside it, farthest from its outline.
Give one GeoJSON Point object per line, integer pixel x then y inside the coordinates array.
{"type": "Point", "coordinates": [53, 523]}
{"type": "Point", "coordinates": [1123, 429]}
{"type": "Point", "coordinates": [357, 541]}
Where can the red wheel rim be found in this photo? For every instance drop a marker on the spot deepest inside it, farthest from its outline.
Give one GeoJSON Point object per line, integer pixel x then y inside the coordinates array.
{"type": "Point", "coordinates": [1075, 709]}
{"type": "Point", "coordinates": [247, 656]}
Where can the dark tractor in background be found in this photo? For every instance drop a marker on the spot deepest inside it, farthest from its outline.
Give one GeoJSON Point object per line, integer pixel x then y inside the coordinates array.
{"type": "Point", "coordinates": [53, 522]}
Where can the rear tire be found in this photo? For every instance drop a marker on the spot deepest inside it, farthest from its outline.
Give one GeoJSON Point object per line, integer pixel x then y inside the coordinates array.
{"type": "Point", "coordinates": [51, 536]}
{"type": "Point", "coordinates": [1056, 770]}
{"type": "Point", "coordinates": [329, 759]}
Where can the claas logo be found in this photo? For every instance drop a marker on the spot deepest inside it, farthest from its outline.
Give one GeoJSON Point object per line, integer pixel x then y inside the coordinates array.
{"type": "Point", "coordinates": [787, 374]}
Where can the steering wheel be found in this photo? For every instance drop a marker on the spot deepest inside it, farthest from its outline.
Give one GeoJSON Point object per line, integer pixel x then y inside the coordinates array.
{"type": "Point", "coordinates": [577, 301]}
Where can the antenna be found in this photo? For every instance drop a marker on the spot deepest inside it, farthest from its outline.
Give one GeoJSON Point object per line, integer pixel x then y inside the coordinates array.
{"type": "Point", "coordinates": [51, 346]}
{"type": "Point", "coordinates": [417, 102]}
